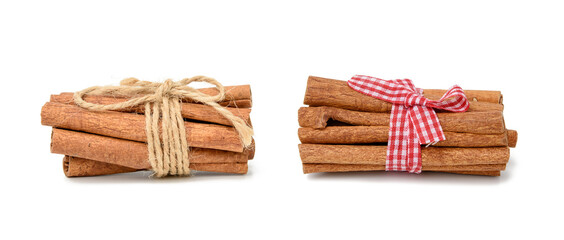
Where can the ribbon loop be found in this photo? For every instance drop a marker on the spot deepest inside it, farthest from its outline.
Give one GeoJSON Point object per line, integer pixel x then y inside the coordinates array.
{"type": "Point", "coordinates": [413, 120]}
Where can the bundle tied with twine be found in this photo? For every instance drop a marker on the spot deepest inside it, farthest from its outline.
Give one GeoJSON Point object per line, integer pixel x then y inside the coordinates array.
{"type": "Point", "coordinates": [163, 103]}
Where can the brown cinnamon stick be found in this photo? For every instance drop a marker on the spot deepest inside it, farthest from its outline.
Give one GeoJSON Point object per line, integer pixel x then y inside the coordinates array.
{"type": "Point", "coordinates": [238, 92]}
{"type": "Point", "coordinates": [376, 155]}
{"type": "Point", "coordinates": [132, 126]}
{"type": "Point", "coordinates": [484, 173]}
{"type": "Point", "coordinates": [81, 167]}
{"type": "Point", "coordinates": [472, 95]}
{"type": "Point", "coordinates": [127, 153]}
{"type": "Point", "coordinates": [317, 167]}
{"type": "Point", "coordinates": [379, 134]}
{"type": "Point", "coordinates": [243, 103]}
{"type": "Point", "coordinates": [336, 93]}
{"type": "Point", "coordinates": [468, 122]}
{"type": "Point", "coordinates": [194, 111]}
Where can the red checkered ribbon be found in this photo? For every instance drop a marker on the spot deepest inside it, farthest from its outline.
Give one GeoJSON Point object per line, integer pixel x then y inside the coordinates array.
{"type": "Point", "coordinates": [413, 120]}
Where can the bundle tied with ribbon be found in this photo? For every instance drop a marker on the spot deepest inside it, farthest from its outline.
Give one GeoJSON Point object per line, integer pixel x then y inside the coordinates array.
{"type": "Point", "coordinates": [413, 120]}
{"type": "Point", "coordinates": [166, 134]}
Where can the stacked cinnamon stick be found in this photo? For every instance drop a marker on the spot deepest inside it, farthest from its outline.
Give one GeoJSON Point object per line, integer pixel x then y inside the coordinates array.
{"type": "Point", "coordinates": [343, 130]}
{"type": "Point", "coordinates": [108, 142]}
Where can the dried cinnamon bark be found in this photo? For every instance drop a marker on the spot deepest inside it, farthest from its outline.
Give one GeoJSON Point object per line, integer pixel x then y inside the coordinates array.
{"type": "Point", "coordinates": [127, 153]}
{"type": "Point", "coordinates": [484, 173]}
{"type": "Point", "coordinates": [468, 122]}
{"type": "Point", "coordinates": [376, 155]}
{"type": "Point", "coordinates": [238, 92]}
{"type": "Point", "coordinates": [317, 167]}
{"type": "Point", "coordinates": [379, 134]}
{"type": "Point", "coordinates": [132, 126]}
{"type": "Point", "coordinates": [472, 95]}
{"type": "Point", "coordinates": [194, 111]}
{"type": "Point", "coordinates": [81, 167]}
{"type": "Point", "coordinates": [336, 93]}
{"type": "Point", "coordinates": [243, 103]}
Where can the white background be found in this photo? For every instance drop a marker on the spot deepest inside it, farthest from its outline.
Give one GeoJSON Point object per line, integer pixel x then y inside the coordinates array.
{"type": "Point", "coordinates": [48, 47]}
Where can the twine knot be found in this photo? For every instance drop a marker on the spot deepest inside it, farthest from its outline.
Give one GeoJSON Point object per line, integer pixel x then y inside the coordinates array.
{"type": "Point", "coordinates": [162, 103]}
{"type": "Point", "coordinates": [163, 90]}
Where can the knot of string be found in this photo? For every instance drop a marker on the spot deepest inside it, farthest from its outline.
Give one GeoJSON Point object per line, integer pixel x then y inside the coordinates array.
{"type": "Point", "coordinates": [162, 103]}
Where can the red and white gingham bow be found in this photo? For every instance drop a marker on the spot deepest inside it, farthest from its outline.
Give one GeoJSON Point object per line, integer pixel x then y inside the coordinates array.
{"type": "Point", "coordinates": [413, 120]}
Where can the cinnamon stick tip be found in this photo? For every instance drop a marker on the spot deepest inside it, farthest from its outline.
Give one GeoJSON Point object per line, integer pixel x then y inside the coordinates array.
{"type": "Point", "coordinates": [66, 166]}
{"type": "Point", "coordinates": [512, 137]}
{"type": "Point", "coordinates": [44, 113]}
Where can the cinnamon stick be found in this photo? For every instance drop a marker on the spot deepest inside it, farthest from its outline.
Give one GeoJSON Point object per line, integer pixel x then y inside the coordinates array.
{"type": "Point", "coordinates": [132, 126]}
{"type": "Point", "coordinates": [336, 93]}
{"type": "Point", "coordinates": [193, 111]}
{"type": "Point", "coordinates": [472, 95]}
{"type": "Point", "coordinates": [237, 92]}
{"type": "Point", "coordinates": [127, 153]}
{"type": "Point", "coordinates": [81, 167]}
{"type": "Point", "coordinates": [484, 173]}
{"type": "Point", "coordinates": [376, 155]}
{"type": "Point", "coordinates": [243, 103]}
{"type": "Point", "coordinates": [317, 167]}
{"type": "Point", "coordinates": [468, 122]}
{"type": "Point", "coordinates": [379, 134]}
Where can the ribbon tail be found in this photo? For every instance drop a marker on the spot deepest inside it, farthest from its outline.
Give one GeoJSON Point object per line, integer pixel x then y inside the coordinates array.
{"type": "Point", "coordinates": [413, 146]}
{"type": "Point", "coordinates": [397, 152]}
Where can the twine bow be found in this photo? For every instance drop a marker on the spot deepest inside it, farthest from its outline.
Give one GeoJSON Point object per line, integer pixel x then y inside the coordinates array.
{"type": "Point", "coordinates": [413, 120]}
{"type": "Point", "coordinates": [162, 102]}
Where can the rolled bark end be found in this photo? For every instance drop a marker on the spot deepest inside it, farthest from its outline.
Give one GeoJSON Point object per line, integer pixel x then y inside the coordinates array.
{"type": "Point", "coordinates": [512, 137]}
{"type": "Point", "coordinates": [250, 151]}
{"type": "Point", "coordinates": [66, 165]}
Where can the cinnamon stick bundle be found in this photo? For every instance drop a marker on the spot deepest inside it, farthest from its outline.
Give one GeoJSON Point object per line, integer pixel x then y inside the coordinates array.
{"type": "Point", "coordinates": [379, 134]}
{"type": "Point", "coordinates": [193, 111]}
{"type": "Point", "coordinates": [468, 122]}
{"type": "Point", "coordinates": [336, 93]}
{"type": "Point", "coordinates": [476, 142]}
{"type": "Point", "coordinates": [376, 155]}
{"type": "Point", "coordinates": [131, 126]}
{"type": "Point", "coordinates": [130, 154]}
{"type": "Point", "coordinates": [81, 167]}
